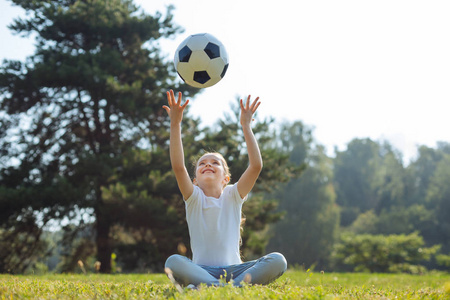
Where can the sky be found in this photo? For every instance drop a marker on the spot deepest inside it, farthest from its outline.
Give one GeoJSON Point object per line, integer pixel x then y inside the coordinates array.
{"type": "Point", "coordinates": [349, 69]}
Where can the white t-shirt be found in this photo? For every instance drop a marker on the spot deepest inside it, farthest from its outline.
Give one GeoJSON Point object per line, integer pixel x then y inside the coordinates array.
{"type": "Point", "coordinates": [214, 226]}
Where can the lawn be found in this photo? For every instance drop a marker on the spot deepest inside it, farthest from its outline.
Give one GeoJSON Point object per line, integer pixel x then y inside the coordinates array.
{"type": "Point", "coordinates": [292, 285]}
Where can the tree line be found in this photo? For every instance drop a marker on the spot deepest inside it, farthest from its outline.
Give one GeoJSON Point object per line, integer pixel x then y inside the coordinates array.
{"type": "Point", "coordinates": [84, 151]}
{"type": "Point", "coordinates": [364, 209]}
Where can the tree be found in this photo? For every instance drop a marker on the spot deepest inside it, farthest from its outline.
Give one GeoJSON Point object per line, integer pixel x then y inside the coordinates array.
{"type": "Point", "coordinates": [426, 177]}
{"type": "Point", "coordinates": [419, 173]}
{"type": "Point", "coordinates": [397, 220]}
{"type": "Point", "coordinates": [379, 253]}
{"type": "Point", "coordinates": [368, 175]}
{"type": "Point", "coordinates": [306, 233]}
{"type": "Point", "coordinates": [21, 244]}
{"type": "Point", "coordinates": [438, 200]}
{"type": "Point", "coordinates": [411, 199]}
{"type": "Point", "coordinates": [355, 171]}
{"type": "Point", "coordinates": [84, 115]}
{"type": "Point", "coordinates": [390, 181]}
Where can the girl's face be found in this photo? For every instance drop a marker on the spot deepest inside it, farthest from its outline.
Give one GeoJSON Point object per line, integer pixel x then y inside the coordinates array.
{"type": "Point", "coordinates": [210, 168]}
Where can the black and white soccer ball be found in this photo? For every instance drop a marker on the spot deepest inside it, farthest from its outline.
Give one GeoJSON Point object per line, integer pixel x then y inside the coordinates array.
{"type": "Point", "coordinates": [201, 60]}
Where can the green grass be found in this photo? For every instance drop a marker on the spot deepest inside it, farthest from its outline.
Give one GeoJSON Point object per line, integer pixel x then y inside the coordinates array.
{"type": "Point", "coordinates": [292, 285]}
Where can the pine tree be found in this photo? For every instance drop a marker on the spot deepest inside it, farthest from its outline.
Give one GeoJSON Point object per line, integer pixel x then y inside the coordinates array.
{"type": "Point", "coordinates": [85, 124]}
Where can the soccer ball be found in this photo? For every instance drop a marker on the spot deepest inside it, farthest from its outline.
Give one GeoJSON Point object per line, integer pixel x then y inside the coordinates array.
{"type": "Point", "coordinates": [201, 60]}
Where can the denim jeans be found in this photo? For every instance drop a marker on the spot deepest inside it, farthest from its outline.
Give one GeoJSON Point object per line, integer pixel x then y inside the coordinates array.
{"type": "Point", "coordinates": [260, 271]}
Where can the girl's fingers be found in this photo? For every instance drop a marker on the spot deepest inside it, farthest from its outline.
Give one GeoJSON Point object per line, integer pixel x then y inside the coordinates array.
{"type": "Point", "coordinates": [172, 95]}
{"type": "Point", "coordinates": [171, 99]}
{"type": "Point", "coordinates": [255, 105]}
{"type": "Point", "coordinates": [185, 104]}
{"type": "Point", "coordinates": [252, 107]}
{"type": "Point", "coordinates": [168, 98]}
{"type": "Point", "coordinates": [179, 98]}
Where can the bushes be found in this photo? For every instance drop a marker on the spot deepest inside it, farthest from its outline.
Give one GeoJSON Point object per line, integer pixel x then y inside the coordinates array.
{"type": "Point", "coordinates": [380, 253]}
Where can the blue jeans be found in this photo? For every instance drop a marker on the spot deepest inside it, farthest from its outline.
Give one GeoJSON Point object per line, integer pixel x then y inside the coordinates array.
{"type": "Point", "coordinates": [260, 271]}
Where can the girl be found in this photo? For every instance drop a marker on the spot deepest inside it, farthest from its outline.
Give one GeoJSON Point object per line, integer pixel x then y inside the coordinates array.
{"type": "Point", "coordinates": [213, 211]}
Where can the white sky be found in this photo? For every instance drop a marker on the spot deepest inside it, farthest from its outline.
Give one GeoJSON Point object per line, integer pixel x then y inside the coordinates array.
{"type": "Point", "coordinates": [351, 68]}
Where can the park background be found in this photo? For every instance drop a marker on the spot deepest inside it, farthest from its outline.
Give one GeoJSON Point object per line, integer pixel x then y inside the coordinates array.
{"type": "Point", "coordinates": [363, 188]}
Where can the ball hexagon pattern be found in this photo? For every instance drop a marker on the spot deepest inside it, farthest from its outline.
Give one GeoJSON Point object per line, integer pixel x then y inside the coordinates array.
{"type": "Point", "coordinates": [201, 60]}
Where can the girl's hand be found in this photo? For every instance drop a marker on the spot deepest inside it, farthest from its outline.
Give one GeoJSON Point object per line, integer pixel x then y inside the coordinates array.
{"type": "Point", "coordinates": [175, 109]}
{"type": "Point", "coordinates": [248, 110]}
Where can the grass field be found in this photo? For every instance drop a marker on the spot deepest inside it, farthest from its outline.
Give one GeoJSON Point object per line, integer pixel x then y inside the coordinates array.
{"type": "Point", "coordinates": [292, 285]}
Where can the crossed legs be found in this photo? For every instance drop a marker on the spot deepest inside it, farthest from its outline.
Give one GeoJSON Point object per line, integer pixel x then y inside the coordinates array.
{"type": "Point", "coordinates": [260, 271]}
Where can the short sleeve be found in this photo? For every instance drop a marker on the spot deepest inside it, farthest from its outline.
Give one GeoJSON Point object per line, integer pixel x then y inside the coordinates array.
{"type": "Point", "coordinates": [194, 195]}
{"type": "Point", "coordinates": [234, 193]}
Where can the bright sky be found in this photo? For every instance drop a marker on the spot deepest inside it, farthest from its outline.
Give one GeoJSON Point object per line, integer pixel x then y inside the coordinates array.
{"type": "Point", "coordinates": [350, 68]}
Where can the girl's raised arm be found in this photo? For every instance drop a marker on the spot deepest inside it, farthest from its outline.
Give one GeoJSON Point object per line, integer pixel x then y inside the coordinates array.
{"type": "Point", "coordinates": [175, 112]}
{"type": "Point", "coordinates": [249, 177]}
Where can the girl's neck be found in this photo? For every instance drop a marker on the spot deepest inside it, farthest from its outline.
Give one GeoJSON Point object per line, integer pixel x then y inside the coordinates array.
{"type": "Point", "coordinates": [211, 191]}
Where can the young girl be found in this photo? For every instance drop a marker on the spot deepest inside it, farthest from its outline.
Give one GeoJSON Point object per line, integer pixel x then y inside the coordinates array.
{"type": "Point", "coordinates": [213, 211]}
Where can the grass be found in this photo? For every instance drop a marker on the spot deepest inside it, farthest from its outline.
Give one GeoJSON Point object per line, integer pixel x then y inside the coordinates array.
{"type": "Point", "coordinates": [292, 285]}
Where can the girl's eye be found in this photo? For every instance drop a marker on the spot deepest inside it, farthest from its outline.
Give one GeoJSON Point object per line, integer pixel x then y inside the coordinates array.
{"type": "Point", "coordinates": [216, 163]}
{"type": "Point", "coordinates": [202, 163]}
